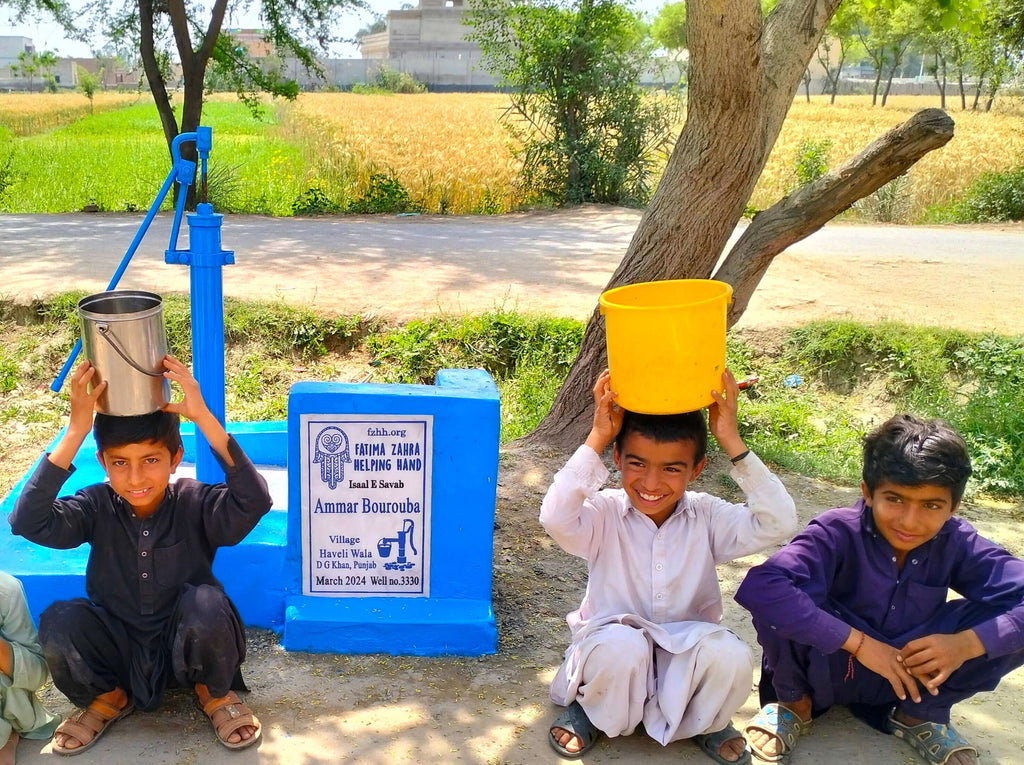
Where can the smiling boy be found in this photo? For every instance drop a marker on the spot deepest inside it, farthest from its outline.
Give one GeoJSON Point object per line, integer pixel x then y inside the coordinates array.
{"type": "Point", "coordinates": [854, 610]}
{"type": "Point", "coordinates": [155, 614]}
{"type": "Point", "coordinates": [647, 645]}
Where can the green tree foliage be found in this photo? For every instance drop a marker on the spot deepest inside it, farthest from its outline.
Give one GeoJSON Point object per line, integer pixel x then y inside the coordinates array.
{"type": "Point", "coordinates": [89, 83]}
{"type": "Point", "coordinates": [588, 131]}
{"type": "Point", "coordinates": [669, 32]}
{"type": "Point", "coordinates": [669, 27]}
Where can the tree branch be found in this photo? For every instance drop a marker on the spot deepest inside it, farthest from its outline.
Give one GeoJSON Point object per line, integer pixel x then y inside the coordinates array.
{"type": "Point", "coordinates": [212, 32]}
{"type": "Point", "coordinates": [806, 210]}
{"type": "Point", "coordinates": [179, 23]}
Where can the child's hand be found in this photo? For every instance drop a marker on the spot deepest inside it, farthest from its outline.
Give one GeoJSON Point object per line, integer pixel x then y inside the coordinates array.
{"type": "Point", "coordinates": [192, 405]}
{"type": "Point", "coordinates": [607, 414]}
{"type": "Point", "coordinates": [722, 420]}
{"type": "Point", "coordinates": [83, 404]}
{"type": "Point", "coordinates": [83, 401]}
{"type": "Point", "coordinates": [933, 658]}
{"type": "Point", "coordinates": [883, 659]}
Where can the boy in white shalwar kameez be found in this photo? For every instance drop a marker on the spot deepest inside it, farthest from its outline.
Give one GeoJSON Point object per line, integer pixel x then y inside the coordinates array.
{"type": "Point", "coordinates": [647, 645]}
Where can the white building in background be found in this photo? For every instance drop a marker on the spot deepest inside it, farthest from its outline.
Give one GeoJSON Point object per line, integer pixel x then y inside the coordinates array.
{"type": "Point", "coordinates": [10, 47]}
{"type": "Point", "coordinates": [429, 42]}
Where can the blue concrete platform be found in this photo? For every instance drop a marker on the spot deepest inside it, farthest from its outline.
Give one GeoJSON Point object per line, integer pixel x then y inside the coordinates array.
{"type": "Point", "coordinates": [253, 572]}
{"type": "Point", "coordinates": [453, 615]}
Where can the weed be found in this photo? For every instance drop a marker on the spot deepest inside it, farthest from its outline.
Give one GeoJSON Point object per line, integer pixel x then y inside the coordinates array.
{"type": "Point", "coordinates": [314, 201]}
{"type": "Point", "coordinates": [889, 204]}
{"type": "Point", "coordinates": [384, 194]}
{"type": "Point", "coordinates": [8, 373]}
{"type": "Point", "coordinates": [811, 160]}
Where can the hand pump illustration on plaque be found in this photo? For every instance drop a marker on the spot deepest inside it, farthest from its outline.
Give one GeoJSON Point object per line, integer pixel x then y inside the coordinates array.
{"type": "Point", "coordinates": [402, 537]}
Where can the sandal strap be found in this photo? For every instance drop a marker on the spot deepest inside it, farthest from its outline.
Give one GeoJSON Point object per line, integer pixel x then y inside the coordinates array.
{"type": "Point", "coordinates": [574, 720]}
{"type": "Point", "coordinates": [83, 733]}
{"type": "Point", "coordinates": [933, 741]}
{"type": "Point", "coordinates": [212, 705]}
{"type": "Point", "coordinates": [104, 710]}
{"type": "Point", "coordinates": [234, 714]}
{"type": "Point", "coordinates": [779, 721]}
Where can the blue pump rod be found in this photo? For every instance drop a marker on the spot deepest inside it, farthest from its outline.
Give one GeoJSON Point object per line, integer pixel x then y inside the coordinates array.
{"type": "Point", "coordinates": [58, 383]}
{"type": "Point", "coordinates": [183, 171]}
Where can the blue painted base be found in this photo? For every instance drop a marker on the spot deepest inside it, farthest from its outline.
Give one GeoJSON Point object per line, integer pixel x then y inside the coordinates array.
{"type": "Point", "coordinates": [398, 626]}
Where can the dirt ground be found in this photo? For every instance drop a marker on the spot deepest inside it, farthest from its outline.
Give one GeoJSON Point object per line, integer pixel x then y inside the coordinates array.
{"type": "Point", "coordinates": [494, 709]}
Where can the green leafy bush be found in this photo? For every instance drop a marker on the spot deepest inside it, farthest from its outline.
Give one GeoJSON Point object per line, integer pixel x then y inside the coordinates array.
{"type": "Point", "coordinates": [993, 197]}
{"type": "Point", "coordinates": [384, 194]}
{"type": "Point", "coordinates": [811, 160]}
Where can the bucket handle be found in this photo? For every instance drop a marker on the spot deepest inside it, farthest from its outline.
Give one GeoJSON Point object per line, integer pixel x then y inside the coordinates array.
{"type": "Point", "coordinates": [104, 330]}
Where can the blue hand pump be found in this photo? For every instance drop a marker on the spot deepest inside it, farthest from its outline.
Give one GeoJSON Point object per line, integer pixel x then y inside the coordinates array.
{"type": "Point", "coordinates": [205, 259]}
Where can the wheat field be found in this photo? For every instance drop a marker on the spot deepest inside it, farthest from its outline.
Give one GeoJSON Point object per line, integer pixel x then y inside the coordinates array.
{"type": "Point", "coordinates": [452, 154]}
{"type": "Point", "coordinates": [981, 142]}
{"type": "Point", "coordinates": [448, 149]}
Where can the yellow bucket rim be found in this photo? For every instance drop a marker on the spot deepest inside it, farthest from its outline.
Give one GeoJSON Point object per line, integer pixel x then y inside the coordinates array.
{"type": "Point", "coordinates": [606, 299]}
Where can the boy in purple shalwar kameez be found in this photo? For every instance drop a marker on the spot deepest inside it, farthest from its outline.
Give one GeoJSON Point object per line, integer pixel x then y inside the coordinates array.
{"type": "Point", "coordinates": [854, 610]}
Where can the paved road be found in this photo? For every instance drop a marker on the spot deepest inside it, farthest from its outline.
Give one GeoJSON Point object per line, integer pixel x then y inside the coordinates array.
{"type": "Point", "coordinates": [553, 262]}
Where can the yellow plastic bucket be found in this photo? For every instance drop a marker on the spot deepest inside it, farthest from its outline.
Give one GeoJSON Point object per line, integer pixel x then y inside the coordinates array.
{"type": "Point", "coordinates": [666, 343]}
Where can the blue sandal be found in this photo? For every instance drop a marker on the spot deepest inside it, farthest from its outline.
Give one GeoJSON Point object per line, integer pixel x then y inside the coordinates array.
{"type": "Point", "coordinates": [933, 741]}
{"type": "Point", "coordinates": [711, 743]}
{"type": "Point", "coordinates": [574, 720]}
{"type": "Point", "coordinates": [781, 722]}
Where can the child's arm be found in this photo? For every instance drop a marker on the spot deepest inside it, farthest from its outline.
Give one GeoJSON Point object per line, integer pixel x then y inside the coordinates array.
{"type": "Point", "coordinates": [575, 486]}
{"type": "Point", "coordinates": [607, 415]}
{"type": "Point", "coordinates": [21, 657]}
{"type": "Point", "coordinates": [38, 515]}
{"type": "Point", "coordinates": [194, 408]}
{"type": "Point", "coordinates": [83, 404]}
{"type": "Point", "coordinates": [988, 574]}
{"type": "Point", "coordinates": [769, 514]}
{"type": "Point", "coordinates": [722, 417]}
{"type": "Point", "coordinates": [787, 591]}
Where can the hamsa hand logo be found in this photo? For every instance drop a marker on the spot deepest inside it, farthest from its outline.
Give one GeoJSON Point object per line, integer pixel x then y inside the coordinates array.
{"type": "Point", "coordinates": [331, 451]}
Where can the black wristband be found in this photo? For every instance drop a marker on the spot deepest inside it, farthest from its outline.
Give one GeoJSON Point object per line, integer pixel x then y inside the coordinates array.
{"type": "Point", "coordinates": [738, 457]}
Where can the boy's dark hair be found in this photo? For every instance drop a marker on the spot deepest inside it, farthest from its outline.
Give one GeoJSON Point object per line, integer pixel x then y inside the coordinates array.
{"type": "Point", "coordinates": [664, 428]}
{"type": "Point", "coordinates": [909, 451]}
{"type": "Point", "coordinates": [162, 427]}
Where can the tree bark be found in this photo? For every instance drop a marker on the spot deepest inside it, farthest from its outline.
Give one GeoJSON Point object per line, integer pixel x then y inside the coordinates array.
{"type": "Point", "coordinates": [806, 210]}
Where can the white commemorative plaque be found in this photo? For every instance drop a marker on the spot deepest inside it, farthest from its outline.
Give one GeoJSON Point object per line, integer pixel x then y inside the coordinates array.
{"type": "Point", "coordinates": [366, 505]}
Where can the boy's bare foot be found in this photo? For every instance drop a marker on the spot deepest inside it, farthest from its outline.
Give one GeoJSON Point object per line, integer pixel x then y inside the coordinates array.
{"type": "Point", "coordinates": [572, 733]}
{"type": "Point", "coordinates": [9, 749]}
{"type": "Point", "coordinates": [732, 749]}
{"type": "Point", "coordinates": [966, 756]}
{"type": "Point", "coordinates": [83, 727]}
{"type": "Point", "coordinates": [770, 745]}
{"type": "Point", "coordinates": [234, 723]}
{"type": "Point", "coordinates": [568, 741]}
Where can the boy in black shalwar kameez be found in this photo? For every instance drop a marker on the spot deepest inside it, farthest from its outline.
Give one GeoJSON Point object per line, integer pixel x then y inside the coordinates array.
{"type": "Point", "coordinates": [155, 614]}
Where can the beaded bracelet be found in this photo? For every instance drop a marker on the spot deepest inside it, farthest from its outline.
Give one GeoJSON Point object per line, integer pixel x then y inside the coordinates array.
{"type": "Point", "coordinates": [849, 664]}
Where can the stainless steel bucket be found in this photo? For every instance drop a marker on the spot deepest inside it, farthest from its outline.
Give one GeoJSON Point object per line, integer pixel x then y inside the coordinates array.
{"type": "Point", "coordinates": [124, 338]}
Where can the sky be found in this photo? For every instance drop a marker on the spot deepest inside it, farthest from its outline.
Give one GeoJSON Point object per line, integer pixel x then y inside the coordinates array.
{"type": "Point", "coordinates": [46, 35]}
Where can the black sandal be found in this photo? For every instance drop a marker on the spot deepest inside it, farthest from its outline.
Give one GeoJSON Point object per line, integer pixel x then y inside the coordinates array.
{"type": "Point", "coordinates": [575, 721]}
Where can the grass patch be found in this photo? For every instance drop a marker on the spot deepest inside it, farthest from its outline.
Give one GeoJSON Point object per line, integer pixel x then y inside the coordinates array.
{"type": "Point", "coordinates": [119, 160]}
{"type": "Point", "coordinates": [854, 376]}
{"type": "Point", "coordinates": [851, 376]}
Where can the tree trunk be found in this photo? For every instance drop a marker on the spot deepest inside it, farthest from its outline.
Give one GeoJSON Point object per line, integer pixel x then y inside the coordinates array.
{"type": "Point", "coordinates": [147, 51]}
{"type": "Point", "coordinates": [743, 77]}
{"type": "Point", "coordinates": [810, 207]}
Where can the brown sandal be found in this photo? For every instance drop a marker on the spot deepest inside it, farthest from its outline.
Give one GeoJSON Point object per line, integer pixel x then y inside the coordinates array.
{"type": "Point", "coordinates": [88, 724]}
{"type": "Point", "coordinates": [227, 715]}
